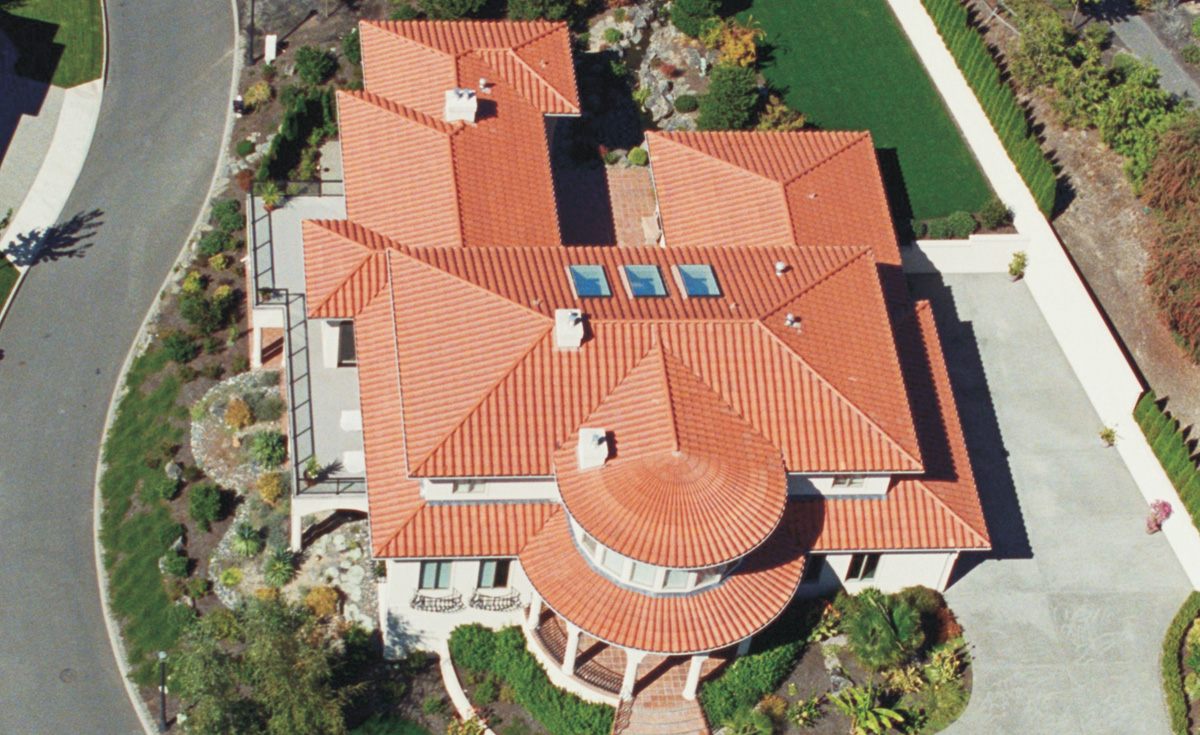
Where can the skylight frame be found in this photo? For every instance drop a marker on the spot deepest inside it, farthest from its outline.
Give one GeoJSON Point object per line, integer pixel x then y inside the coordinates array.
{"type": "Point", "coordinates": [635, 280]}
{"type": "Point", "coordinates": [588, 281]}
{"type": "Point", "coordinates": [697, 274]}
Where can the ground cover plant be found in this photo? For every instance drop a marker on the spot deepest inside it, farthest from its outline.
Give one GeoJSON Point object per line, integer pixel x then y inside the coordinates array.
{"type": "Point", "coordinates": [61, 41]}
{"type": "Point", "coordinates": [503, 654]}
{"type": "Point", "coordinates": [996, 97]}
{"type": "Point", "coordinates": [873, 82]}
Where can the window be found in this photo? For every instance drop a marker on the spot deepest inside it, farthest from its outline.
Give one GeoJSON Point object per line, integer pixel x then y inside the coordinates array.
{"type": "Point", "coordinates": [589, 544]}
{"type": "Point", "coordinates": [347, 357]}
{"type": "Point", "coordinates": [493, 573]}
{"type": "Point", "coordinates": [644, 280]}
{"type": "Point", "coordinates": [614, 562]}
{"type": "Point", "coordinates": [862, 567]}
{"type": "Point", "coordinates": [813, 568]}
{"type": "Point", "coordinates": [698, 280]}
{"type": "Point", "coordinates": [848, 481]}
{"type": "Point", "coordinates": [435, 575]}
{"type": "Point", "coordinates": [707, 576]}
{"type": "Point", "coordinates": [466, 487]}
{"type": "Point", "coordinates": [589, 281]}
{"type": "Point", "coordinates": [643, 574]}
{"type": "Point", "coordinates": [677, 579]}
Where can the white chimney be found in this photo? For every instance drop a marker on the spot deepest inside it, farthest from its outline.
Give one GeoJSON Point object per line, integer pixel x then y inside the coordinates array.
{"type": "Point", "coordinates": [592, 450]}
{"type": "Point", "coordinates": [461, 105]}
{"type": "Point", "coordinates": [483, 85]}
{"type": "Point", "coordinates": [568, 329]}
{"type": "Point", "coordinates": [780, 267]}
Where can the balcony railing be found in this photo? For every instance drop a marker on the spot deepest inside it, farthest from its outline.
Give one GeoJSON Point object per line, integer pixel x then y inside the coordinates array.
{"type": "Point", "coordinates": [496, 603]}
{"type": "Point", "coordinates": [437, 603]}
{"type": "Point", "coordinates": [332, 486]}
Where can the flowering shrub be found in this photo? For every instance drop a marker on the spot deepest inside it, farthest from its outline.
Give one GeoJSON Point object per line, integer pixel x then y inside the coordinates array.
{"type": "Point", "coordinates": [1160, 511]}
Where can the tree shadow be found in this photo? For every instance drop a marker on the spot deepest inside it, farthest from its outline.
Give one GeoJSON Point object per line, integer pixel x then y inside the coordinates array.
{"type": "Point", "coordinates": [67, 239]}
{"type": "Point", "coordinates": [981, 427]}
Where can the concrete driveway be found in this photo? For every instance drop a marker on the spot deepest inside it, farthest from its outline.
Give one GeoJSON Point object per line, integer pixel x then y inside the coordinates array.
{"type": "Point", "coordinates": [145, 179]}
{"type": "Point", "coordinates": [1067, 615]}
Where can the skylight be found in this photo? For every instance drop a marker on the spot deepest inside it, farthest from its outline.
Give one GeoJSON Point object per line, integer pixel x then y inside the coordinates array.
{"type": "Point", "coordinates": [589, 280]}
{"type": "Point", "coordinates": [645, 280]}
{"type": "Point", "coordinates": [698, 280]}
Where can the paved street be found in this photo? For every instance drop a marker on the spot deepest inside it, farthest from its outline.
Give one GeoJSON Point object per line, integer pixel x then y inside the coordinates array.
{"type": "Point", "coordinates": [1067, 622]}
{"type": "Point", "coordinates": [63, 343]}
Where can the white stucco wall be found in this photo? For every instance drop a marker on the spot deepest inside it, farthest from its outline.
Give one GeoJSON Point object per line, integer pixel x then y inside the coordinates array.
{"type": "Point", "coordinates": [872, 486]}
{"type": "Point", "coordinates": [896, 571]}
{"type": "Point", "coordinates": [493, 489]}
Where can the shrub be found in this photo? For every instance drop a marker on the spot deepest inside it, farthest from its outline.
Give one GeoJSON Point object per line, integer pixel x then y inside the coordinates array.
{"type": "Point", "coordinates": [314, 65]}
{"type": "Point", "coordinates": [231, 577]}
{"type": "Point", "coordinates": [994, 214]}
{"type": "Point", "coordinates": [266, 406]}
{"type": "Point", "coordinates": [352, 47]}
{"type": "Point", "coordinates": [749, 722]}
{"type": "Point", "coordinates": [198, 587]}
{"type": "Point", "coordinates": [221, 622]}
{"type": "Point", "coordinates": [691, 16]}
{"type": "Point", "coordinates": [473, 648]}
{"type": "Point", "coordinates": [179, 347]}
{"type": "Point", "coordinates": [778, 116]}
{"type": "Point", "coordinates": [1016, 267]}
{"type": "Point", "coordinates": [268, 448]}
{"type": "Point", "coordinates": [175, 563]}
{"type": "Point", "coordinates": [1099, 34]}
{"type": "Point", "coordinates": [279, 568]}
{"type": "Point", "coordinates": [619, 15]}
{"type": "Point", "coordinates": [731, 100]}
{"type": "Point", "coordinates": [193, 283]}
{"type": "Point", "coordinates": [1196, 27]}
{"type": "Point", "coordinates": [214, 243]}
{"type": "Point", "coordinates": [270, 487]}
{"type": "Point", "coordinates": [205, 505]}
{"type": "Point", "coordinates": [247, 541]}
{"type": "Point", "coordinates": [219, 262]}
{"type": "Point", "coordinates": [538, 9]}
{"type": "Point", "coordinates": [404, 11]}
{"type": "Point", "coordinates": [961, 224]}
{"type": "Point", "coordinates": [450, 9]}
{"type": "Point", "coordinates": [244, 148]}
{"type": "Point", "coordinates": [612, 35]}
{"type": "Point", "coordinates": [639, 157]}
{"type": "Point", "coordinates": [881, 630]}
{"type": "Point", "coordinates": [687, 103]}
{"type": "Point", "coordinates": [323, 601]}
{"type": "Point", "coordinates": [237, 414]}
{"type": "Point", "coordinates": [736, 41]}
{"type": "Point", "coordinates": [241, 364]}
{"type": "Point", "coordinates": [257, 95]}
{"type": "Point", "coordinates": [267, 594]}
{"type": "Point", "coordinates": [433, 705]}
{"type": "Point", "coordinates": [487, 691]}
{"type": "Point", "coordinates": [208, 314]}
{"type": "Point", "coordinates": [1191, 54]}
{"type": "Point", "coordinates": [227, 216]}
{"type": "Point", "coordinates": [938, 229]}
{"type": "Point", "coordinates": [163, 487]}
{"type": "Point", "coordinates": [774, 706]}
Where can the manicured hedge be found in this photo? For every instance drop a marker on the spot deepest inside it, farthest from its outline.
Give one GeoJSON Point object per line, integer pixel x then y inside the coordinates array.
{"type": "Point", "coordinates": [1170, 446]}
{"type": "Point", "coordinates": [1171, 669]}
{"type": "Point", "coordinates": [996, 97]}
{"type": "Point", "coordinates": [481, 650]}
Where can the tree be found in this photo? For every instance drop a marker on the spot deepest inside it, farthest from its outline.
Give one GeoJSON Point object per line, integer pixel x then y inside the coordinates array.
{"type": "Point", "coordinates": [314, 65]}
{"type": "Point", "coordinates": [450, 9]}
{"type": "Point", "coordinates": [692, 16]}
{"type": "Point", "coordinates": [731, 101]}
{"type": "Point", "coordinates": [1129, 116]}
{"type": "Point", "coordinates": [881, 630]}
{"type": "Point", "coordinates": [538, 9]}
{"type": "Point", "coordinates": [1042, 50]}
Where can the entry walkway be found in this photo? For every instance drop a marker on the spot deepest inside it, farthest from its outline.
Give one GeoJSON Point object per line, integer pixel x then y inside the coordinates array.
{"type": "Point", "coordinates": [1067, 615]}
{"type": "Point", "coordinates": [1144, 43]}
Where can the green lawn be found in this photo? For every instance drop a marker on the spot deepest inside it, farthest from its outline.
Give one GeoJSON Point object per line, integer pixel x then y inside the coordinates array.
{"type": "Point", "coordinates": [847, 65]}
{"type": "Point", "coordinates": [61, 41]}
{"type": "Point", "coordinates": [8, 279]}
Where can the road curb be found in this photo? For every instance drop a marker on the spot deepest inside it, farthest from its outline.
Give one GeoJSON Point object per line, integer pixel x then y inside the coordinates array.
{"type": "Point", "coordinates": [140, 342]}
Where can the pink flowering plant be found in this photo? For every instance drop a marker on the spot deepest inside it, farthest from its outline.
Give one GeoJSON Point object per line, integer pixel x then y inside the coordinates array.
{"type": "Point", "coordinates": [1160, 511]}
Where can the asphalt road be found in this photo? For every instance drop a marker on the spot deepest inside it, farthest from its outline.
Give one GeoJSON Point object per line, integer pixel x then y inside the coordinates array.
{"type": "Point", "coordinates": [144, 181]}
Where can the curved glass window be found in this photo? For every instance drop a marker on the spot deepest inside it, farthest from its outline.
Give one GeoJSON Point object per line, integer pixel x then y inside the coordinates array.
{"type": "Point", "coordinates": [646, 576]}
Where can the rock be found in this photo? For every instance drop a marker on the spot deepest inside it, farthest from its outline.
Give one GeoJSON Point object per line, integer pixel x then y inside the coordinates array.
{"type": "Point", "coordinates": [356, 574]}
{"type": "Point", "coordinates": [659, 107]}
{"type": "Point", "coordinates": [338, 542]}
{"type": "Point", "coordinates": [354, 554]}
{"type": "Point", "coordinates": [354, 593]}
{"type": "Point", "coordinates": [345, 564]}
{"type": "Point", "coordinates": [174, 470]}
{"type": "Point", "coordinates": [838, 681]}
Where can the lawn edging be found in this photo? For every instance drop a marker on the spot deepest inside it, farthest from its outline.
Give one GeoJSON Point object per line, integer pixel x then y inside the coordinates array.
{"type": "Point", "coordinates": [1007, 116]}
{"type": "Point", "coordinates": [1172, 672]}
{"type": "Point", "coordinates": [140, 343]}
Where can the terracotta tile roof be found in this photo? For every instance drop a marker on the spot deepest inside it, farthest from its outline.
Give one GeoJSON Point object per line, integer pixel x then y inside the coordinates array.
{"type": "Point", "coordinates": [805, 189]}
{"type": "Point", "coordinates": [690, 484]}
{"type": "Point", "coordinates": [344, 267]}
{"type": "Point", "coordinates": [939, 510]}
{"type": "Point", "coordinates": [740, 606]}
{"type": "Point", "coordinates": [478, 529]}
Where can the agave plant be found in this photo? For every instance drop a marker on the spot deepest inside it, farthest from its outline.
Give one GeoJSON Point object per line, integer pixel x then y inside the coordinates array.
{"type": "Point", "coordinates": [247, 541]}
{"type": "Point", "coordinates": [279, 568]}
{"type": "Point", "coordinates": [881, 630]}
{"type": "Point", "coordinates": [867, 717]}
{"type": "Point", "coordinates": [749, 722]}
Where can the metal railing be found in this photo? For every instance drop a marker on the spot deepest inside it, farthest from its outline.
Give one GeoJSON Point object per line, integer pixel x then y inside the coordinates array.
{"type": "Point", "coordinates": [437, 603]}
{"type": "Point", "coordinates": [481, 600]}
{"type": "Point", "coordinates": [333, 486]}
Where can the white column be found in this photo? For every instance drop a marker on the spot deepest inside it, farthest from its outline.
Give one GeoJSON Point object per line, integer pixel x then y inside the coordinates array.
{"type": "Point", "coordinates": [632, 660]}
{"type": "Point", "coordinates": [535, 609]}
{"type": "Point", "coordinates": [256, 347]}
{"type": "Point", "coordinates": [693, 675]}
{"type": "Point", "coordinates": [297, 529]}
{"type": "Point", "coordinates": [744, 646]}
{"type": "Point", "coordinates": [572, 651]}
{"type": "Point", "coordinates": [946, 571]}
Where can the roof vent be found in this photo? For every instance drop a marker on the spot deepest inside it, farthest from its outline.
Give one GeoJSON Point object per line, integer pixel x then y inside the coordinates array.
{"type": "Point", "coordinates": [780, 267]}
{"type": "Point", "coordinates": [483, 85]}
{"type": "Point", "coordinates": [592, 450]}
{"type": "Point", "coordinates": [461, 105]}
{"type": "Point", "coordinates": [792, 320]}
{"type": "Point", "coordinates": [568, 329]}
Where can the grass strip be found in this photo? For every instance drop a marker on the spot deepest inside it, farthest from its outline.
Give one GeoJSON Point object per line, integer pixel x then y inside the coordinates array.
{"type": "Point", "coordinates": [8, 280]}
{"type": "Point", "coordinates": [1172, 670]}
{"type": "Point", "coordinates": [996, 97]}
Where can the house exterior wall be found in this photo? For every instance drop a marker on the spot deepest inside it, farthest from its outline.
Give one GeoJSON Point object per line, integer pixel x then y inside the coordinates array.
{"type": "Point", "coordinates": [871, 486]}
{"type": "Point", "coordinates": [492, 489]}
{"type": "Point", "coordinates": [896, 571]}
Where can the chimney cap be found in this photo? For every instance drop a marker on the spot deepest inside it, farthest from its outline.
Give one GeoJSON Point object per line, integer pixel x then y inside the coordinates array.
{"type": "Point", "coordinates": [780, 267]}
{"type": "Point", "coordinates": [592, 450]}
{"type": "Point", "coordinates": [568, 329]}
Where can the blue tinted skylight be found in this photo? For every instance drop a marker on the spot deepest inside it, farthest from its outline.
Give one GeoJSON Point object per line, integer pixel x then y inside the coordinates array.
{"type": "Point", "coordinates": [589, 280]}
{"type": "Point", "coordinates": [645, 280]}
{"type": "Point", "coordinates": [699, 280]}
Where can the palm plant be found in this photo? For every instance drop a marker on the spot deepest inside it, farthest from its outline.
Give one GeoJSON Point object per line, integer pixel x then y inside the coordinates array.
{"type": "Point", "coordinates": [881, 630]}
{"type": "Point", "coordinates": [749, 722]}
{"type": "Point", "coordinates": [247, 541]}
{"type": "Point", "coordinates": [279, 567]}
{"type": "Point", "coordinates": [867, 717]}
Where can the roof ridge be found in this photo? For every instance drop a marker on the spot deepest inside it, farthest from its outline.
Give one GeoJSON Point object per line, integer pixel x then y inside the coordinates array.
{"type": "Point", "coordinates": [402, 111]}
{"type": "Point", "coordinates": [512, 51]}
{"type": "Point", "coordinates": [524, 354]}
{"type": "Point", "coordinates": [338, 289]}
{"type": "Point", "coordinates": [666, 378]}
{"type": "Point", "coordinates": [850, 258]}
{"type": "Point", "coordinates": [842, 396]}
{"type": "Point", "coordinates": [854, 140]}
{"type": "Point", "coordinates": [982, 537]}
{"type": "Point", "coordinates": [473, 284]}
